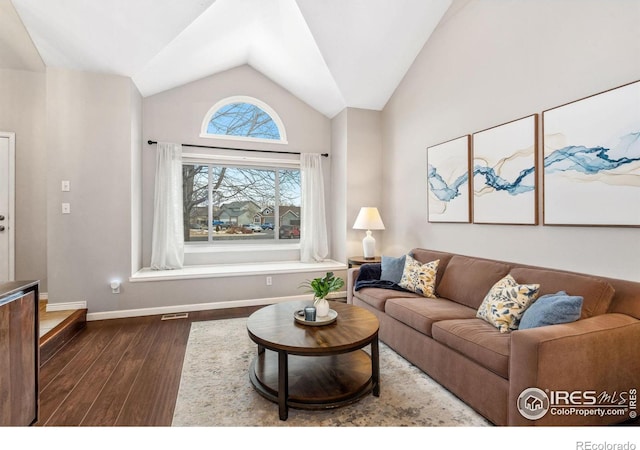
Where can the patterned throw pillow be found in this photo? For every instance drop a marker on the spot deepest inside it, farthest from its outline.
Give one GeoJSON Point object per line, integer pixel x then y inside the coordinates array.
{"type": "Point", "coordinates": [419, 278]}
{"type": "Point", "coordinates": [506, 302]}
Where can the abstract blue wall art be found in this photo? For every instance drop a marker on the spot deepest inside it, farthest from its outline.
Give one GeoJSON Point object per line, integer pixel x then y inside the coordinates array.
{"type": "Point", "coordinates": [504, 173]}
{"type": "Point", "coordinates": [592, 160]}
{"type": "Point", "coordinates": [448, 181]}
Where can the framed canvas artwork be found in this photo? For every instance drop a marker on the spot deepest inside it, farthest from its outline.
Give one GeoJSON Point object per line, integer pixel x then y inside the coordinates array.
{"type": "Point", "coordinates": [504, 173]}
{"type": "Point", "coordinates": [592, 160]}
{"type": "Point", "coordinates": [448, 181]}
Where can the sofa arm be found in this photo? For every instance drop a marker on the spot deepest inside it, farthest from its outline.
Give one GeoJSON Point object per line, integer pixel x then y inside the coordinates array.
{"type": "Point", "coordinates": [352, 276]}
{"type": "Point", "coordinates": [598, 354]}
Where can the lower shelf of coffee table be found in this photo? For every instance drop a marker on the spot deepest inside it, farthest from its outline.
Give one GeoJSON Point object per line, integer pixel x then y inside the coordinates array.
{"type": "Point", "coordinates": [315, 382]}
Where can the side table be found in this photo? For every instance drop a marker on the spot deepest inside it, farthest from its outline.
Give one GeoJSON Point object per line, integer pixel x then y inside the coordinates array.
{"type": "Point", "coordinates": [355, 261]}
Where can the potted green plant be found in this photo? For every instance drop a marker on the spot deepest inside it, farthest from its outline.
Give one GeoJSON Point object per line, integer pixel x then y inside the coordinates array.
{"type": "Point", "coordinates": [321, 287]}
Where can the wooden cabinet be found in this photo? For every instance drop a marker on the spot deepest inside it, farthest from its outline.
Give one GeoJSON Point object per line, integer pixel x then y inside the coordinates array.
{"type": "Point", "coordinates": [19, 353]}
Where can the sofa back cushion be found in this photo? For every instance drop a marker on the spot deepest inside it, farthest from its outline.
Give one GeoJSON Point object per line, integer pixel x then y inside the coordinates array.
{"type": "Point", "coordinates": [626, 299]}
{"type": "Point", "coordinates": [425, 256]}
{"type": "Point", "coordinates": [596, 293]}
{"type": "Point", "coordinates": [467, 280]}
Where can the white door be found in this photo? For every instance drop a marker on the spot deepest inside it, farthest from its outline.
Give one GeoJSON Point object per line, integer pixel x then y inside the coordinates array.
{"type": "Point", "coordinates": [7, 183]}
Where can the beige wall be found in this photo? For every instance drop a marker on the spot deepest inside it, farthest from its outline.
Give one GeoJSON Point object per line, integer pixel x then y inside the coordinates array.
{"type": "Point", "coordinates": [364, 184]}
{"type": "Point", "coordinates": [357, 174]}
{"type": "Point", "coordinates": [339, 176]}
{"type": "Point", "coordinates": [136, 179]}
{"type": "Point", "coordinates": [22, 111]}
{"type": "Point", "coordinates": [96, 125]}
{"type": "Point", "coordinates": [89, 141]}
{"type": "Point", "coordinates": [487, 63]}
{"type": "Point", "coordinates": [176, 115]}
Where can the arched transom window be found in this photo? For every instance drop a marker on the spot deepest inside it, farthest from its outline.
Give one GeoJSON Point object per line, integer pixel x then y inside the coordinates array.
{"type": "Point", "coordinates": [243, 118]}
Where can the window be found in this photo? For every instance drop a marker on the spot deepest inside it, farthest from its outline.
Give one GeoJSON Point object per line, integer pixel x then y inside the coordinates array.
{"type": "Point", "coordinates": [226, 203]}
{"type": "Point", "coordinates": [243, 118]}
{"type": "Point", "coordinates": [227, 199]}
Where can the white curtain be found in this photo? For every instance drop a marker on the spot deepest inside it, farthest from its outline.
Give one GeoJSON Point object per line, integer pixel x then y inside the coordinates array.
{"type": "Point", "coordinates": [167, 247]}
{"type": "Point", "coordinates": [313, 228]}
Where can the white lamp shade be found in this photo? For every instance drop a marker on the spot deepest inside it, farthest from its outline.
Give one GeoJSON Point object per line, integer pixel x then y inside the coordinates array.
{"type": "Point", "coordinates": [368, 219]}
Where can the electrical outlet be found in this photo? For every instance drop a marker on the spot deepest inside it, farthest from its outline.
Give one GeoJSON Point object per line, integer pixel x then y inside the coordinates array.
{"type": "Point", "coordinates": [269, 281]}
{"type": "Point", "coordinates": [66, 208]}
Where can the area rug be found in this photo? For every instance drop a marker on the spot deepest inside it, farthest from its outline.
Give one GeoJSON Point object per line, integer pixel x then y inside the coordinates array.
{"type": "Point", "coordinates": [215, 390]}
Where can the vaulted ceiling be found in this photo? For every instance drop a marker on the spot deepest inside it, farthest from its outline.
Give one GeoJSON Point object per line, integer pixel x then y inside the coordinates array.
{"type": "Point", "coordinates": [331, 54]}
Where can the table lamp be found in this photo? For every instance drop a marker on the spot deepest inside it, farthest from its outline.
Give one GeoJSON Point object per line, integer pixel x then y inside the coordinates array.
{"type": "Point", "coordinates": [368, 219]}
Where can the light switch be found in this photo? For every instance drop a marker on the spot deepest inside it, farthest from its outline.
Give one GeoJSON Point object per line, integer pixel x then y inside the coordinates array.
{"type": "Point", "coordinates": [66, 185]}
{"type": "Point", "coordinates": [66, 208]}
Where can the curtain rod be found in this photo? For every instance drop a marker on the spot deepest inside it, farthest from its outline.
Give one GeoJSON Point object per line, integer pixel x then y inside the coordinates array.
{"type": "Point", "coordinates": [238, 149]}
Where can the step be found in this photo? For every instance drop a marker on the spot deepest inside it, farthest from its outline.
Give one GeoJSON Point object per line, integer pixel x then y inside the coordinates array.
{"type": "Point", "coordinates": [54, 339]}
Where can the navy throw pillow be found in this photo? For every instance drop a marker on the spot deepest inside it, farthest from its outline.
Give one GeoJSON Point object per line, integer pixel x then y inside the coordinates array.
{"type": "Point", "coordinates": [392, 268]}
{"type": "Point", "coordinates": [552, 309]}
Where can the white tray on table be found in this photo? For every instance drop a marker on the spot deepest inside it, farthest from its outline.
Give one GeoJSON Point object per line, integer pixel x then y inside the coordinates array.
{"type": "Point", "coordinates": [326, 320]}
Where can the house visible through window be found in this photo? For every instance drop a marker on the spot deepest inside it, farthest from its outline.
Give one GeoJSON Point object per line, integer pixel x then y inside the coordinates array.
{"type": "Point", "coordinates": [233, 204]}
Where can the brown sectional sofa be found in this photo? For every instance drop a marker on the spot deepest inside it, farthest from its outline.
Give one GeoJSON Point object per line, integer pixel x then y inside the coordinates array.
{"type": "Point", "coordinates": [597, 355]}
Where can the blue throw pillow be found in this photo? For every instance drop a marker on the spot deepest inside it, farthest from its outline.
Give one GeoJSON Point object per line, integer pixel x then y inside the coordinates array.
{"type": "Point", "coordinates": [552, 309]}
{"type": "Point", "coordinates": [392, 268]}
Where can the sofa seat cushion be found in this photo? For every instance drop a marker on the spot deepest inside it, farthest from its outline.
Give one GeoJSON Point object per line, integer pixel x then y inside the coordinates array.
{"type": "Point", "coordinates": [467, 280]}
{"type": "Point", "coordinates": [596, 293]}
{"type": "Point", "coordinates": [421, 313]}
{"type": "Point", "coordinates": [477, 340]}
{"type": "Point", "coordinates": [377, 297]}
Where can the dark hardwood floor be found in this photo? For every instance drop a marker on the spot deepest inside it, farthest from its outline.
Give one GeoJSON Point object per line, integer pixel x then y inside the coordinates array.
{"type": "Point", "coordinates": [120, 372]}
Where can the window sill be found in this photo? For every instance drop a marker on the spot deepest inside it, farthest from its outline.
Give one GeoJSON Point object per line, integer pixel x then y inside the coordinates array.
{"type": "Point", "coordinates": [234, 270]}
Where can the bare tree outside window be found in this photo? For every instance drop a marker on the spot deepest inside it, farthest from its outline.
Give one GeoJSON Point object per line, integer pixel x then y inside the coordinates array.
{"type": "Point", "coordinates": [241, 203]}
{"type": "Point", "coordinates": [236, 197]}
{"type": "Point", "coordinates": [243, 119]}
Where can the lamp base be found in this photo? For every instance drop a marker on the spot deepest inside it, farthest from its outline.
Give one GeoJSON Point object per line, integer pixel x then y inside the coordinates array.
{"type": "Point", "coordinates": [369, 246]}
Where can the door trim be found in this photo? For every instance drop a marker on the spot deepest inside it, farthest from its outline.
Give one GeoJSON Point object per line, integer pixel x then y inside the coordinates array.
{"type": "Point", "coordinates": [12, 201]}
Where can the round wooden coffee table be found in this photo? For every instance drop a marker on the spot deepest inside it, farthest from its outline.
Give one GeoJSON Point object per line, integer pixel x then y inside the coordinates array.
{"type": "Point", "coordinates": [314, 367]}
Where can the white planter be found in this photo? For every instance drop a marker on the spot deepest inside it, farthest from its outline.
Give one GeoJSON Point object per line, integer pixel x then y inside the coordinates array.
{"type": "Point", "coordinates": [322, 307]}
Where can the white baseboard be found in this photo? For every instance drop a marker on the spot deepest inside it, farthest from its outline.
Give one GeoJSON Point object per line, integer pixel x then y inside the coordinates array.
{"type": "Point", "coordinates": [44, 296]}
{"type": "Point", "coordinates": [201, 307]}
{"type": "Point", "coordinates": [65, 306]}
